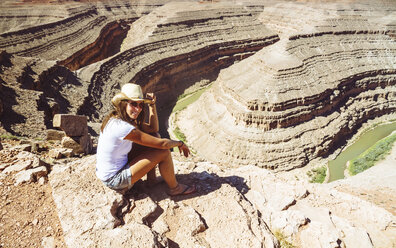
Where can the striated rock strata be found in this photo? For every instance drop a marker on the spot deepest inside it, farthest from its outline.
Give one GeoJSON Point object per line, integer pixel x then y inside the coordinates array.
{"type": "Point", "coordinates": [300, 98]}
{"type": "Point", "coordinates": [163, 45]}
{"type": "Point", "coordinates": [174, 46]}
{"type": "Point", "coordinates": [321, 70]}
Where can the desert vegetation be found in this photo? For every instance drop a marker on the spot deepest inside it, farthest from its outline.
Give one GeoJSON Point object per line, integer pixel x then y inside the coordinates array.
{"type": "Point", "coordinates": [375, 153]}
{"type": "Point", "coordinates": [317, 175]}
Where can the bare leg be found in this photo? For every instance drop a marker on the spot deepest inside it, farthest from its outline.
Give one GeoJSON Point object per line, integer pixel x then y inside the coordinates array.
{"type": "Point", "coordinates": [143, 160]}
{"type": "Point", "coordinates": [151, 176]}
{"type": "Point", "coordinates": [139, 149]}
{"type": "Point", "coordinates": [147, 160]}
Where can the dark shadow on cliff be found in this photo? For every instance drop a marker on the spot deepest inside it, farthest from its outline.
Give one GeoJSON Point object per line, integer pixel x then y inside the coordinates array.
{"type": "Point", "coordinates": [106, 45]}
{"type": "Point", "coordinates": [205, 183]}
{"type": "Point", "coordinates": [9, 117]}
{"type": "Point", "coordinates": [55, 84]}
{"type": "Point", "coordinates": [165, 107]}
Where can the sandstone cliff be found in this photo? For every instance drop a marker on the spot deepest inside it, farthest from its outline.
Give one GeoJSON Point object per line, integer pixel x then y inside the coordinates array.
{"type": "Point", "coordinates": [301, 97]}
{"type": "Point", "coordinates": [291, 82]}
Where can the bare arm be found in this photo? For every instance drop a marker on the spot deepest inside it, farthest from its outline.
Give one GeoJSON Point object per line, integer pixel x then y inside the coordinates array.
{"type": "Point", "coordinates": [152, 126]}
{"type": "Point", "coordinates": [145, 139]}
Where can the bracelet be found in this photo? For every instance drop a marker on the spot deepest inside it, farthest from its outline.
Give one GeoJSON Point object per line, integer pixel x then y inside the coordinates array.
{"type": "Point", "coordinates": [182, 143]}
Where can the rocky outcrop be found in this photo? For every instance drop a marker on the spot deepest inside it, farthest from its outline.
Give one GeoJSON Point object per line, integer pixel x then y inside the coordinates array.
{"type": "Point", "coordinates": [241, 207]}
{"type": "Point", "coordinates": [310, 91]}
{"type": "Point", "coordinates": [24, 166]}
{"type": "Point", "coordinates": [76, 136]}
{"type": "Point", "coordinates": [33, 91]}
{"type": "Point", "coordinates": [162, 221]}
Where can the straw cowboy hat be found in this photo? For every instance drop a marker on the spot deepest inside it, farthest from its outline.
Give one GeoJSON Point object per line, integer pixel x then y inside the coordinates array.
{"type": "Point", "coordinates": [130, 91]}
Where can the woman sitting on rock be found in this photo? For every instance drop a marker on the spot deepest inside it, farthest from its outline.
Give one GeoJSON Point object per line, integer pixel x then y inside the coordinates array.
{"type": "Point", "coordinates": [126, 150]}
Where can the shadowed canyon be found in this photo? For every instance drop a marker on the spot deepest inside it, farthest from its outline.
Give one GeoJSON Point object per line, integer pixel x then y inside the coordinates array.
{"type": "Point", "coordinates": [288, 85]}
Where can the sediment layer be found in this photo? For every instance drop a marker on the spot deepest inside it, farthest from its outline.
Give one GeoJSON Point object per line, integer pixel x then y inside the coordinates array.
{"type": "Point", "coordinates": [81, 27]}
{"type": "Point", "coordinates": [308, 93]}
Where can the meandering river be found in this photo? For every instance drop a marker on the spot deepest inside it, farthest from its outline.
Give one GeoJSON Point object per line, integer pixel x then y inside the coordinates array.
{"type": "Point", "coordinates": [367, 139]}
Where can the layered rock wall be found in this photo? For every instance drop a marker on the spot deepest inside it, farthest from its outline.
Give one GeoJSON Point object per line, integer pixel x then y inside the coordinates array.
{"type": "Point", "coordinates": [35, 38]}
{"type": "Point", "coordinates": [307, 94]}
{"type": "Point", "coordinates": [81, 29]}
{"type": "Point", "coordinates": [192, 43]}
{"type": "Point", "coordinates": [321, 70]}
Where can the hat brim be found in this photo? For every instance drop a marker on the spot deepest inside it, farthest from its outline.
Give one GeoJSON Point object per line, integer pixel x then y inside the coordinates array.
{"type": "Point", "coordinates": [121, 96]}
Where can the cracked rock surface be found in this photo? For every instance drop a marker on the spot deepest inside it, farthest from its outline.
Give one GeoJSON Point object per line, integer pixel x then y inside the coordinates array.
{"type": "Point", "coordinates": [241, 207]}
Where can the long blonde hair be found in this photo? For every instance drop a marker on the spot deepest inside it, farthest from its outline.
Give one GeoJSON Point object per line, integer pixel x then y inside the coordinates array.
{"type": "Point", "coordinates": [119, 111]}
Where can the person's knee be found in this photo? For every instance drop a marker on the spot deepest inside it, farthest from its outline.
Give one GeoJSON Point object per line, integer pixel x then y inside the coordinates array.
{"type": "Point", "coordinates": [164, 153]}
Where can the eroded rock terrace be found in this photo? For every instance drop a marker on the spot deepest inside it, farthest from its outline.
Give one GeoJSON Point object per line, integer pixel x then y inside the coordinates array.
{"type": "Point", "coordinates": [298, 99]}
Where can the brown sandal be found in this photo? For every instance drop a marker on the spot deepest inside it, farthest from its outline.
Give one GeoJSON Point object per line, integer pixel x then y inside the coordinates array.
{"type": "Point", "coordinates": [186, 191]}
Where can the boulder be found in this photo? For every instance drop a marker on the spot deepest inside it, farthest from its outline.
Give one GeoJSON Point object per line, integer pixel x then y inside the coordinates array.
{"type": "Point", "coordinates": [23, 147]}
{"type": "Point", "coordinates": [79, 144]}
{"type": "Point", "coordinates": [72, 125]}
{"type": "Point", "coordinates": [22, 161]}
{"type": "Point", "coordinates": [30, 175]}
{"type": "Point", "coordinates": [58, 153]}
{"type": "Point", "coordinates": [53, 134]}
{"type": "Point", "coordinates": [18, 166]}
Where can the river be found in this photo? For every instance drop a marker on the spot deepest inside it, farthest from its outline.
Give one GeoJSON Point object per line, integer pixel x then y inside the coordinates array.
{"type": "Point", "coordinates": [367, 139]}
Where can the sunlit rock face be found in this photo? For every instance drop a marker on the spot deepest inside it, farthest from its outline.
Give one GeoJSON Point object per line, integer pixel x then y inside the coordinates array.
{"type": "Point", "coordinates": [300, 98]}
{"type": "Point", "coordinates": [174, 46]}
{"type": "Point", "coordinates": [309, 73]}
{"type": "Point", "coordinates": [77, 55]}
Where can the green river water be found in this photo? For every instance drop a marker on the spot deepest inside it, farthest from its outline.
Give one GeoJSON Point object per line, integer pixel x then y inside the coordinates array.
{"type": "Point", "coordinates": [367, 139]}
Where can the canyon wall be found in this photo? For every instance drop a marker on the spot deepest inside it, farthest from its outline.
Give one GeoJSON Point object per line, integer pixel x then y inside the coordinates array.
{"type": "Point", "coordinates": [300, 98]}
{"type": "Point", "coordinates": [291, 81]}
{"type": "Point", "coordinates": [162, 45]}
{"type": "Point", "coordinates": [309, 74]}
{"type": "Point", "coordinates": [174, 46]}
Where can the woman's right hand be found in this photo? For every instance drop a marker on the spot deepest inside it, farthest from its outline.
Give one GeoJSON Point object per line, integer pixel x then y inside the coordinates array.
{"type": "Point", "coordinates": [152, 97]}
{"type": "Point", "coordinates": [183, 148]}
